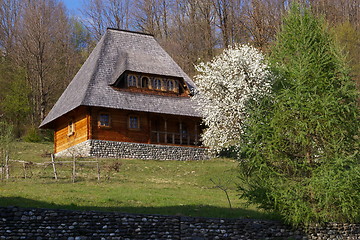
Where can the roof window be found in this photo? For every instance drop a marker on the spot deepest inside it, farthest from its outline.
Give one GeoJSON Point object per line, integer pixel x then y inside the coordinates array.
{"type": "Point", "coordinates": [132, 81]}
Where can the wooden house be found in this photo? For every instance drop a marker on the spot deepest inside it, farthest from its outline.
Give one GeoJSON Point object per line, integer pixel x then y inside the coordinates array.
{"type": "Point", "coordinates": [130, 100]}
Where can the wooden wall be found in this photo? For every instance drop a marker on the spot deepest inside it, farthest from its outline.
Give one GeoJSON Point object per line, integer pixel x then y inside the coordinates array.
{"type": "Point", "coordinates": [86, 126]}
{"type": "Point", "coordinates": [80, 119]}
{"type": "Point", "coordinates": [120, 131]}
{"type": "Point", "coordinates": [119, 126]}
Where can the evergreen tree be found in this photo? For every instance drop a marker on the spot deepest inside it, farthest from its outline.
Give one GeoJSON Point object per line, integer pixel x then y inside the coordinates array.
{"type": "Point", "coordinates": [300, 150]}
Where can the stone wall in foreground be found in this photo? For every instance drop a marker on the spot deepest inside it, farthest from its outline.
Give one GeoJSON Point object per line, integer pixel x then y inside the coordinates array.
{"type": "Point", "coordinates": [112, 149]}
{"type": "Point", "coordinates": [39, 224]}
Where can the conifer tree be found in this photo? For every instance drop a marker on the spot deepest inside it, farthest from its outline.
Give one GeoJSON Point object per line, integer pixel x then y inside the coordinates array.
{"type": "Point", "coordinates": [300, 150]}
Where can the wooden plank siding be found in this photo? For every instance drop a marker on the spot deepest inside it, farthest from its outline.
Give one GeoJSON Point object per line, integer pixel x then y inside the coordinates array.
{"type": "Point", "coordinates": [119, 126]}
{"type": "Point", "coordinates": [62, 139]}
{"type": "Point", "coordinates": [153, 128]}
{"type": "Point", "coordinates": [149, 122]}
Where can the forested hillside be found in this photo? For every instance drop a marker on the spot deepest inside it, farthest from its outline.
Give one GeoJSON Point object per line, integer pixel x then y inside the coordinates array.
{"type": "Point", "coordinates": [42, 44]}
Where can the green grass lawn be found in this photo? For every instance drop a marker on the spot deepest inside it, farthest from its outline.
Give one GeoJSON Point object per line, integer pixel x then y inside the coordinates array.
{"type": "Point", "coordinates": [141, 186]}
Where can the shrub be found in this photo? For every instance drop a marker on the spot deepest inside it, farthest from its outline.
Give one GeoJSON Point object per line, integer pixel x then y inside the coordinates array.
{"type": "Point", "coordinates": [32, 135]}
{"type": "Point", "coordinates": [6, 136]}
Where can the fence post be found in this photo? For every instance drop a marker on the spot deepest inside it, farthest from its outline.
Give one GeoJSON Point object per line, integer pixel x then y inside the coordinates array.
{"type": "Point", "coordinates": [74, 169]}
{"type": "Point", "coordinates": [2, 169]}
{"type": "Point", "coordinates": [24, 166]}
{"type": "Point", "coordinates": [54, 167]}
{"type": "Point", "coordinates": [7, 165]}
{"type": "Point", "coordinates": [98, 170]}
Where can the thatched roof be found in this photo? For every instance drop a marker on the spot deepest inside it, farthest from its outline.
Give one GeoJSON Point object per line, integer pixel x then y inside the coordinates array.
{"type": "Point", "coordinates": [119, 51]}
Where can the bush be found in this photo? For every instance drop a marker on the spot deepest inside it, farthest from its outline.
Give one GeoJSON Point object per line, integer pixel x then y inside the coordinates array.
{"type": "Point", "coordinates": [6, 136]}
{"type": "Point", "coordinates": [32, 135]}
{"type": "Point", "coordinates": [47, 135]}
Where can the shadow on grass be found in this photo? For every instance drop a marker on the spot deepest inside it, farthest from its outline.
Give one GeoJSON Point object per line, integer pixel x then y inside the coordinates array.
{"type": "Point", "coordinates": [185, 210]}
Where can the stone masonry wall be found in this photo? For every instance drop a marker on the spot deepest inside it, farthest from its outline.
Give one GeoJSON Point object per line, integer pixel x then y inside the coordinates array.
{"type": "Point", "coordinates": [79, 150]}
{"type": "Point", "coordinates": [40, 224]}
{"type": "Point", "coordinates": [112, 149]}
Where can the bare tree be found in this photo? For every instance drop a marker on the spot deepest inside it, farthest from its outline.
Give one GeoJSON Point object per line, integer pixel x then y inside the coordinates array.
{"type": "Point", "coordinates": [118, 14]}
{"type": "Point", "coordinates": [94, 19]}
{"type": "Point", "coordinates": [152, 16]}
{"type": "Point", "coordinates": [261, 20]}
{"type": "Point", "coordinates": [191, 33]}
{"type": "Point", "coordinates": [42, 49]}
{"type": "Point", "coordinates": [9, 20]}
{"type": "Point", "coordinates": [338, 11]}
{"type": "Point", "coordinates": [101, 14]}
{"type": "Point", "coordinates": [228, 21]}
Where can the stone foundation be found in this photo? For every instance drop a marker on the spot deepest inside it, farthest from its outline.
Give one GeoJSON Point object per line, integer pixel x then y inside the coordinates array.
{"type": "Point", "coordinates": [112, 149]}
{"type": "Point", "coordinates": [79, 150]}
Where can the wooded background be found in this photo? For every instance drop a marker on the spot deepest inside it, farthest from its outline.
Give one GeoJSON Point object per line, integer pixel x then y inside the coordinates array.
{"type": "Point", "coordinates": [43, 45]}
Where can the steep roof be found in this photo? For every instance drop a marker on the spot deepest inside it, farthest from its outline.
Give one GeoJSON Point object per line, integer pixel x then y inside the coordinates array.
{"type": "Point", "coordinates": [119, 51]}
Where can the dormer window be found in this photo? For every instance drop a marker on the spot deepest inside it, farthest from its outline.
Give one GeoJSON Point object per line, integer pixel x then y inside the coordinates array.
{"type": "Point", "coordinates": [170, 85]}
{"type": "Point", "coordinates": [132, 81]}
{"type": "Point", "coordinates": [151, 84]}
{"type": "Point", "coordinates": [176, 87]}
{"type": "Point", "coordinates": [157, 84]}
{"type": "Point", "coordinates": [145, 82]}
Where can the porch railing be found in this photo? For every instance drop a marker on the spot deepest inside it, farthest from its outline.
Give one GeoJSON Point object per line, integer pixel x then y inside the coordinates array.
{"type": "Point", "coordinates": [175, 138]}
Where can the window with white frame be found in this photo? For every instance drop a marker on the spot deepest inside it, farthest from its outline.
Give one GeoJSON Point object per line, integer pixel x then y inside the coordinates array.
{"type": "Point", "coordinates": [132, 81]}
{"type": "Point", "coordinates": [71, 128]}
{"type": "Point", "coordinates": [170, 85]}
{"type": "Point", "coordinates": [157, 84]}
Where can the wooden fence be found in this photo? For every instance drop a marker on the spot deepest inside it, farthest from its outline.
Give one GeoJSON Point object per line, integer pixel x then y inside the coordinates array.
{"type": "Point", "coordinates": [26, 167]}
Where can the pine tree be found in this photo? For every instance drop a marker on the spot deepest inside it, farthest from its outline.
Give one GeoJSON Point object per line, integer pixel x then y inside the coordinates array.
{"type": "Point", "coordinates": [300, 151]}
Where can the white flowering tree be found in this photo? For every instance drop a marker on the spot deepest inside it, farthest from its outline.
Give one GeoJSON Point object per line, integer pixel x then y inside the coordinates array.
{"type": "Point", "coordinates": [224, 87]}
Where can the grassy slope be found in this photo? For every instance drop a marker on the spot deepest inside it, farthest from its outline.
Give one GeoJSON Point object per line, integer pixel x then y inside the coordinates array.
{"type": "Point", "coordinates": [161, 187]}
